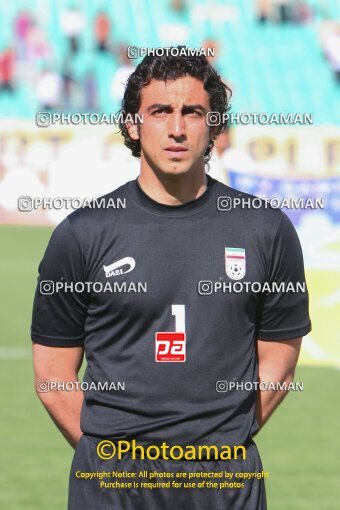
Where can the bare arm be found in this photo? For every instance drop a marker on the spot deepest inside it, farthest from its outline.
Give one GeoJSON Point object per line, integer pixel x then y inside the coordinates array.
{"type": "Point", "coordinates": [62, 365]}
{"type": "Point", "coordinates": [277, 361]}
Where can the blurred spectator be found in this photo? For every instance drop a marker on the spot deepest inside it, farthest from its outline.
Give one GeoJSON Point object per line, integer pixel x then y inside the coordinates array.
{"type": "Point", "coordinates": [38, 47]}
{"type": "Point", "coordinates": [67, 85]}
{"type": "Point", "coordinates": [35, 51]}
{"type": "Point", "coordinates": [121, 75]}
{"type": "Point", "coordinates": [263, 10]}
{"type": "Point", "coordinates": [102, 27]}
{"type": "Point", "coordinates": [72, 23]}
{"type": "Point", "coordinates": [301, 12]}
{"type": "Point", "coordinates": [7, 70]}
{"type": "Point", "coordinates": [48, 90]}
{"type": "Point", "coordinates": [23, 22]}
{"type": "Point", "coordinates": [90, 92]}
{"type": "Point", "coordinates": [283, 10]}
{"type": "Point", "coordinates": [178, 6]}
{"type": "Point", "coordinates": [332, 50]}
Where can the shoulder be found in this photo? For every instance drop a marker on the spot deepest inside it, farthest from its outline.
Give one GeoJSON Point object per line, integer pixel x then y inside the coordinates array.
{"type": "Point", "coordinates": [253, 213]}
{"type": "Point", "coordinates": [100, 209]}
{"type": "Point", "coordinates": [94, 219]}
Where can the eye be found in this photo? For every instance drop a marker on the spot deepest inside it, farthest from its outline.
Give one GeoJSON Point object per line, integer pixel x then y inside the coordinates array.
{"type": "Point", "coordinates": [196, 113]}
{"type": "Point", "coordinates": [158, 113]}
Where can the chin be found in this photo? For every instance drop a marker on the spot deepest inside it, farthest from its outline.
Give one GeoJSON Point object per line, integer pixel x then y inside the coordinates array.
{"type": "Point", "coordinates": [176, 167]}
{"type": "Point", "coordinates": [175, 170]}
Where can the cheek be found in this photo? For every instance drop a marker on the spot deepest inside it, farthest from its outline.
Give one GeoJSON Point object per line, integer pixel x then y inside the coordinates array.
{"type": "Point", "coordinates": [151, 136]}
{"type": "Point", "coordinates": [199, 137]}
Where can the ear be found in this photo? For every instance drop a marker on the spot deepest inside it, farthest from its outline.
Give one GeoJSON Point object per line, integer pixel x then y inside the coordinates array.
{"type": "Point", "coordinates": [133, 130]}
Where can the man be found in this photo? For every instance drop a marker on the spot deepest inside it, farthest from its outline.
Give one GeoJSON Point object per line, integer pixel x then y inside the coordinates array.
{"type": "Point", "coordinates": [176, 344]}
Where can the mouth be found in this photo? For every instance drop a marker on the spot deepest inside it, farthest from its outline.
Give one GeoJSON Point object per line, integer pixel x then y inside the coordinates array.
{"type": "Point", "coordinates": [176, 151]}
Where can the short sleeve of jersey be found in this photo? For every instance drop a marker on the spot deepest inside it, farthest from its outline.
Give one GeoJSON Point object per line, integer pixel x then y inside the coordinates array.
{"type": "Point", "coordinates": [59, 314]}
{"type": "Point", "coordinates": [284, 313]}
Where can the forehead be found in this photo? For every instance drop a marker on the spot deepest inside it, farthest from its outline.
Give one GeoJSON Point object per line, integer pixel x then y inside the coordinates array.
{"type": "Point", "coordinates": [184, 90]}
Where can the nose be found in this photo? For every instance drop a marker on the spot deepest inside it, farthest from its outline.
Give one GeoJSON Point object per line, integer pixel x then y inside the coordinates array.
{"type": "Point", "coordinates": [176, 125]}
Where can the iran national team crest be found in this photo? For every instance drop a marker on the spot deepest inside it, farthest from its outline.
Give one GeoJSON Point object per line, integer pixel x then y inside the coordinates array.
{"type": "Point", "coordinates": [235, 263]}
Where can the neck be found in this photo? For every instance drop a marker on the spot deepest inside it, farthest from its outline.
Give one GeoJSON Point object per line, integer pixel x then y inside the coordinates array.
{"type": "Point", "coordinates": [173, 189]}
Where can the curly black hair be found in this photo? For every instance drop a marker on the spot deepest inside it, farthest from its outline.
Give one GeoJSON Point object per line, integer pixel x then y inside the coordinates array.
{"type": "Point", "coordinates": [169, 67]}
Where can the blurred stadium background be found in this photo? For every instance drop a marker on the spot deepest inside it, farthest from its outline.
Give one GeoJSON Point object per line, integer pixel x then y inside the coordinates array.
{"type": "Point", "coordinates": [278, 56]}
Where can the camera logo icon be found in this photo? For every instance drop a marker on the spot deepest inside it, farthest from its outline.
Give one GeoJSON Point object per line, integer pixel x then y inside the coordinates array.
{"type": "Point", "coordinates": [222, 386]}
{"type": "Point", "coordinates": [42, 386]}
{"type": "Point", "coordinates": [224, 203]}
{"type": "Point", "coordinates": [132, 52]}
{"type": "Point", "coordinates": [43, 119]}
{"type": "Point", "coordinates": [25, 204]}
{"type": "Point", "coordinates": [46, 287]}
{"type": "Point", "coordinates": [213, 119]}
{"type": "Point", "coordinates": [205, 287]}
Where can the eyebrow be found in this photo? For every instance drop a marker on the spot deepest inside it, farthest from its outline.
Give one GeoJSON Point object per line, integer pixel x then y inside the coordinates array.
{"type": "Point", "coordinates": [157, 106]}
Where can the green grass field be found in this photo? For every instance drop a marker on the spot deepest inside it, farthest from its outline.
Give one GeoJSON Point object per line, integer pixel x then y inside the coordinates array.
{"type": "Point", "coordinates": [299, 446]}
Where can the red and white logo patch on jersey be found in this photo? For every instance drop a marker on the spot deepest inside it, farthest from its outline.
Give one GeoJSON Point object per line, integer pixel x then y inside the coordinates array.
{"type": "Point", "coordinates": [235, 263]}
{"type": "Point", "coordinates": [170, 346]}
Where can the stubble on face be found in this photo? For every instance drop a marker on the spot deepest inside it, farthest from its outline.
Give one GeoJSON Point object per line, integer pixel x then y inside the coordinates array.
{"type": "Point", "coordinates": [174, 135]}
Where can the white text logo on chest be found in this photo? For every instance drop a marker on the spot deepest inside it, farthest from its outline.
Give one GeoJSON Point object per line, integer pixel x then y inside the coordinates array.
{"type": "Point", "coordinates": [122, 266]}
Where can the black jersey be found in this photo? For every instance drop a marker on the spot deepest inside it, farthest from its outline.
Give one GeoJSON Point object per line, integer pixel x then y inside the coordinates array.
{"type": "Point", "coordinates": [169, 303]}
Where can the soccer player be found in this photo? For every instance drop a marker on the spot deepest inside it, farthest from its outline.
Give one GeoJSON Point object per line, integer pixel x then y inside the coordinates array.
{"type": "Point", "coordinates": [173, 329]}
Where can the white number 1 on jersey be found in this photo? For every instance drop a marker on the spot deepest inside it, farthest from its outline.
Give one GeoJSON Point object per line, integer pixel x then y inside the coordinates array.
{"type": "Point", "coordinates": [179, 312]}
{"type": "Point", "coordinates": [170, 346]}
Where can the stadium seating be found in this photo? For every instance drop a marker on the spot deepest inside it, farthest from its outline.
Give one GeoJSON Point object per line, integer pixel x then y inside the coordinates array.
{"type": "Point", "coordinates": [264, 79]}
